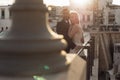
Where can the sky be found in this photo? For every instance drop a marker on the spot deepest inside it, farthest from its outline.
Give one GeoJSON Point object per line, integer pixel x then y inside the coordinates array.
{"type": "Point", "coordinates": [58, 2]}
{"type": "Point", "coordinates": [6, 2]}
{"type": "Point", "coordinates": [116, 2]}
{"type": "Point", "coordinates": [54, 2]}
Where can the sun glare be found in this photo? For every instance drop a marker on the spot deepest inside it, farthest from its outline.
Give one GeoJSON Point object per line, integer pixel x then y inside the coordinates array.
{"type": "Point", "coordinates": [116, 2]}
{"type": "Point", "coordinates": [80, 2]}
{"type": "Point", "coordinates": [57, 2]}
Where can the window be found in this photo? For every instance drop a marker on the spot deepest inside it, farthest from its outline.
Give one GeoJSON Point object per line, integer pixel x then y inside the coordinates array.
{"type": "Point", "coordinates": [10, 14]}
{"type": "Point", "coordinates": [83, 19]}
{"type": "Point", "coordinates": [88, 17]}
{"type": "Point", "coordinates": [111, 18]}
{"type": "Point", "coordinates": [3, 14]}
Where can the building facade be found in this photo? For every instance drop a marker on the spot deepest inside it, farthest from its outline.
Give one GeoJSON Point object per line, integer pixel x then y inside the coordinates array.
{"type": "Point", "coordinates": [5, 17]}
{"type": "Point", "coordinates": [97, 13]}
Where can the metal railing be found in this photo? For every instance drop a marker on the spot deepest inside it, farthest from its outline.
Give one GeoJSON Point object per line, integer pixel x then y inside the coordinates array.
{"type": "Point", "coordinates": [87, 53]}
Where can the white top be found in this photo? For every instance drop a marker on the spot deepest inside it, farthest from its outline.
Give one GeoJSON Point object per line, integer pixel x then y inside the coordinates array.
{"type": "Point", "coordinates": [76, 33]}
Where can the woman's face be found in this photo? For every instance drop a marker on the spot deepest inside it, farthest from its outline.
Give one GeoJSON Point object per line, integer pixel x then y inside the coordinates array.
{"type": "Point", "coordinates": [74, 18]}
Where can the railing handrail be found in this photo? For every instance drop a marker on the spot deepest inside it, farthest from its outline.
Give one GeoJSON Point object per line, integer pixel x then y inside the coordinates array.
{"type": "Point", "coordinates": [83, 47]}
{"type": "Point", "coordinates": [109, 32]}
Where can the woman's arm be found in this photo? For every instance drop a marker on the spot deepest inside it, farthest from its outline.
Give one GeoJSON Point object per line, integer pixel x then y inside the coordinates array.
{"type": "Point", "coordinates": [81, 32]}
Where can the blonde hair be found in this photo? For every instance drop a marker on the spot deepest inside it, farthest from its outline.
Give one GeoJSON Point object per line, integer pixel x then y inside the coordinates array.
{"type": "Point", "coordinates": [72, 12]}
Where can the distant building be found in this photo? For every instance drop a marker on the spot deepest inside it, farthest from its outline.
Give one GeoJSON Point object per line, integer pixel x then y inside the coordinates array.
{"type": "Point", "coordinates": [97, 13]}
{"type": "Point", "coordinates": [110, 14]}
{"type": "Point", "coordinates": [5, 17]}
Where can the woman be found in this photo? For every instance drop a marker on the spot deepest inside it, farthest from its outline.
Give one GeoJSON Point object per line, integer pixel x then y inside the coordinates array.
{"type": "Point", "coordinates": [75, 31]}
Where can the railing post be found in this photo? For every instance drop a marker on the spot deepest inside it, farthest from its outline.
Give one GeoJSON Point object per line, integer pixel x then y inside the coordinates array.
{"type": "Point", "coordinates": [30, 47]}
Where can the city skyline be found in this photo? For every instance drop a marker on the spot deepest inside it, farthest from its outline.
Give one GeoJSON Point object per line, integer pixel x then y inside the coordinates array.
{"type": "Point", "coordinates": [54, 2]}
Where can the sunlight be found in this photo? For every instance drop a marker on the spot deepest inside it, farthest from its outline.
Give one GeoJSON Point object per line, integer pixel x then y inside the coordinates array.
{"type": "Point", "coordinates": [6, 2]}
{"type": "Point", "coordinates": [116, 2]}
{"type": "Point", "coordinates": [47, 2]}
{"type": "Point", "coordinates": [60, 2]}
{"type": "Point", "coordinates": [81, 3]}
{"type": "Point", "coordinates": [57, 2]}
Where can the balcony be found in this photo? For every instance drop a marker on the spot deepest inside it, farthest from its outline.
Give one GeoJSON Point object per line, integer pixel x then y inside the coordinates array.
{"type": "Point", "coordinates": [31, 50]}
